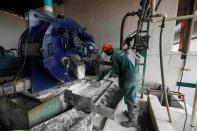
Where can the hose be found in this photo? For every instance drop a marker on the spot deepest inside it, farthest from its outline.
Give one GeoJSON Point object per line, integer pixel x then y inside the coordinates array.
{"type": "Point", "coordinates": [181, 77]}
{"type": "Point", "coordinates": [122, 27]}
{"type": "Point", "coordinates": [157, 6]}
{"type": "Point", "coordinates": [185, 116]}
{"type": "Point", "coordinates": [162, 69]}
{"type": "Point", "coordinates": [141, 14]}
{"type": "Point", "coordinates": [23, 40]}
{"type": "Point", "coordinates": [182, 71]}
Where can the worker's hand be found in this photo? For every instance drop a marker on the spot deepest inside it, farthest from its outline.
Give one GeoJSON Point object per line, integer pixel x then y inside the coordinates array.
{"type": "Point", "coordinates": [101, 61]}
{"type": "Point", "coordinates": [105, 62]}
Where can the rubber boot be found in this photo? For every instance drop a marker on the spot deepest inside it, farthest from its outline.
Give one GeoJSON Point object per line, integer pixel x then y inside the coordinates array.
{"type": "Point", "coordinates": [131, 117]}
{"type": "Point", "coordinates": [126, 113]}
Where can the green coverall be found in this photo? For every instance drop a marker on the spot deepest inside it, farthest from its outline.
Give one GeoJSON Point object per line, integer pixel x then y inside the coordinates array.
{"type": "Point", "coordinates": [126, 72]}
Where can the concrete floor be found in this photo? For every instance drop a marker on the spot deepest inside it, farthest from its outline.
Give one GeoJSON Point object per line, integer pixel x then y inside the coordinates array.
{"type": "Point", "coordinates": [114, 125]}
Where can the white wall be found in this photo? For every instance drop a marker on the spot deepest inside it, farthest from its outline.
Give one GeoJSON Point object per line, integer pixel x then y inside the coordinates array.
{"type": "Point", "coordinates": [172, 60]}
{"type": "Point", "coordinates": [171, 64]}
{"type": "Point", "coordinates": [11, 28]}
{"type": "Point", "coordinates": [102, 18]}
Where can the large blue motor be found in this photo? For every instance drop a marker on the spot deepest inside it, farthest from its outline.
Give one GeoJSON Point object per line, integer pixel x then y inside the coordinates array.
{"type": "Point", "coordinates": [49, 44]}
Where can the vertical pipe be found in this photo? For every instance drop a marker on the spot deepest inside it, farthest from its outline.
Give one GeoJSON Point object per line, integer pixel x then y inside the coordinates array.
{"type": "Point", "coordinates": [187, 28]}
{"type": "Point", "coordinates": [162, 69]}
{"type": "Point", "coordinates": [48, 5]}
{"type": "Point", "coordinates": [141, 17]}
{"type": "Point", "coordinates": [193, 119]}
{"type": "Point", "coordinates": [153, 7]}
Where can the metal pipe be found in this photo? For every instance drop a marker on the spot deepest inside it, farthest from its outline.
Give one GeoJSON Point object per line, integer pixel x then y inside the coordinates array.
{"type": "Point", "coordinates": [162, 69]}
{"type": "Point", "coordinates": [157, 6]}
{"type": "Point", "coordinates": [153, 7]}
{"type": "Point", "coordinates": [186, 113]}
{"type": "Point", "coordinates": [142, 15]}
{"type": "Point", "coordinates": [122, 27]}
{"type": "Point", "coordinates": [193, 118]}
{"type": "Point", "coordinates": [181, 74]}
{"type": "Point", "coordinates": [159, 19]}
{"type": "Point", "coordinates": [48, 5]}
{"type": "Point", "coordinates": [145, 8]}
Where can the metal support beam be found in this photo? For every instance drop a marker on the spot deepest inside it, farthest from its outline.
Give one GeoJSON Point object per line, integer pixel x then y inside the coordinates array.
{"type": "Point", "coordinates": [185, 84]}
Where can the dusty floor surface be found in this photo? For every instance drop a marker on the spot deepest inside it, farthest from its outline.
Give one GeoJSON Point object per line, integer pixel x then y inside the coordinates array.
{"type": "Point", "coordinates": [143, 118]}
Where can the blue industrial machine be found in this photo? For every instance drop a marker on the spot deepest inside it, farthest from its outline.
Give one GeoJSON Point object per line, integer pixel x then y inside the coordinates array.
{"type": "Point", "coordinates": [48, 46]}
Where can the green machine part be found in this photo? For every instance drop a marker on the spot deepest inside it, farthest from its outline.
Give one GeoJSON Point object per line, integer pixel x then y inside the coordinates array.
{"type": "Point", "coordinates": [8, 61]}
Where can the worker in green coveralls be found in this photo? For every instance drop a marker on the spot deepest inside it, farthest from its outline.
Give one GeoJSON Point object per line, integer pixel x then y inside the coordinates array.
{"type": "Point", "coordinates": [124, 69]}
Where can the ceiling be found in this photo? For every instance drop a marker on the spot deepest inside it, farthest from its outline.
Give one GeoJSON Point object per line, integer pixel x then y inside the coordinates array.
{"type": "Point", "coordinates": [18, 7]}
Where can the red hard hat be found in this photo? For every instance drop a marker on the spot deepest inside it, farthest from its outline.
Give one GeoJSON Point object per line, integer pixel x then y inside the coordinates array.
{"type": "Point", "coordinates": [107, 47]}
